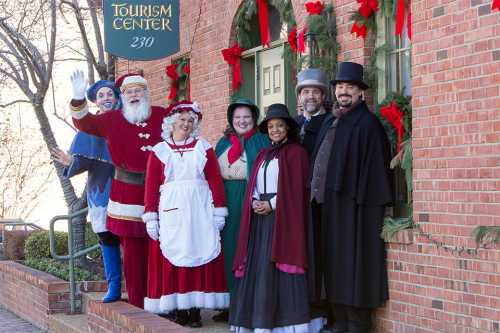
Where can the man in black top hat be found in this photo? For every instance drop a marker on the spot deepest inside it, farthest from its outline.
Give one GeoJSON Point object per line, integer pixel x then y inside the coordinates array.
{"type": "Point", "coordinates": [350, 187]}
{"type": "Point", "coordinates": [311, 91]}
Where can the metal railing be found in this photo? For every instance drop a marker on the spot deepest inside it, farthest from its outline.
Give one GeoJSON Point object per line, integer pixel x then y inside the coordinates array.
{"type": "Point", "coordinates": [16, 223]}
{"type": "Point", "coordinates": [71, 254]}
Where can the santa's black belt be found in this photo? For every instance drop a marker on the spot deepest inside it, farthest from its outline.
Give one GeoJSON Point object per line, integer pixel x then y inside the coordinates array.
{"type": "Point", "coordinates": [129, 177]}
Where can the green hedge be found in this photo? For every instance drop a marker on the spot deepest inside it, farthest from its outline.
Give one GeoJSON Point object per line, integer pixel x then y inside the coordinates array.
{"type": "Point", "coordinates": [37, 245]}
{"type": "Point", "coordinates": [61, 269]}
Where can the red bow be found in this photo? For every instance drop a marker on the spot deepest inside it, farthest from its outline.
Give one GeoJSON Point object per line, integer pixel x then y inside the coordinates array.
{"type": "Point", "coordinates": [292, 39]}
{"type": "Point", "coordinates": [187, 70]}
{"type": "Point", "coordinates": [495, 5]}
{"type": "Point", "coordinates": [314, 8]}
{"type": "Point", "coordinates": [366, 7]}
{"type": "Point", "coordinates": [263, 22]}
{"type": "Point", "coordinates": [232, 57]}
{"type": "Point", "coordinates": [395, 117]}
{"type": "Point", "coordinates": [171, 71]}
{"type": "Point", "coordinates": [302, 43]}
{"type": "Point", "coordinates": [358, 30]}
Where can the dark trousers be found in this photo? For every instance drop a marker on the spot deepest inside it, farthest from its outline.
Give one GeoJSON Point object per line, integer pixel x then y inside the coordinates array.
{"type": "Point", "coordinates": [351, 319]}
{"type": "Point", "coordinates": [108, 238]}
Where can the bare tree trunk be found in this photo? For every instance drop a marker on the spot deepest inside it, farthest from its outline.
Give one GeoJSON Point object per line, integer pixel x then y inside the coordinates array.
{"type": "Point", "coordinates": [72, 201]}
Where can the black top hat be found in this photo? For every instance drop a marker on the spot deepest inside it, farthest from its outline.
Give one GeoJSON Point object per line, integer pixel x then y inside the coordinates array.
{"type": "Point", "coordinates": [350, 72]}
{"type": "Point", "coordinates": [242, 102]}
{"type": "Point", "coordinates": [277, 111]}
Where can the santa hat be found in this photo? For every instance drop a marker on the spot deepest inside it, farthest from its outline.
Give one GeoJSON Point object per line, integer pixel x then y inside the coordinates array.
{"type": "Point", "coordinates": [131, 79]}
{"type": "Point", "coordinates": [184, 106]}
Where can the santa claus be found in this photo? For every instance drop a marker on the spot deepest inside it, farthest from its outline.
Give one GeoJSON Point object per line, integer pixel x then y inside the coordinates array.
{"type": "Point", "coordinates": [130, 133]}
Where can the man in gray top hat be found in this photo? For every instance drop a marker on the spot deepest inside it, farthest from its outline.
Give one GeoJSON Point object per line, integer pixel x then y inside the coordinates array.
{"type": "Point", "coordinates": [311, 90]}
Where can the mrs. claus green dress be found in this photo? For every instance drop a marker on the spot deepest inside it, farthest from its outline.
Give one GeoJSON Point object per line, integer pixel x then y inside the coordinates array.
{"type": "Point", "coordinates": [235, 190]}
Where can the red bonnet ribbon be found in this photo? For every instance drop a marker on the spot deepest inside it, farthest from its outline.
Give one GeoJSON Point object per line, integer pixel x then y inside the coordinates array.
{"type": "Point", "coordinates": [263, 22]}
{"type": "Point", "coordinates": [171, 72]}
{"type": "Point", "coordinates": [395, 117]}
{"type": "Point", "coordinates": [232, 57]}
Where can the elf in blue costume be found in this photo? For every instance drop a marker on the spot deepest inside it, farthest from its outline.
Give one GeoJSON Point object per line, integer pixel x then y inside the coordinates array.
{"type": "Point", "coordinates": [90, 153]}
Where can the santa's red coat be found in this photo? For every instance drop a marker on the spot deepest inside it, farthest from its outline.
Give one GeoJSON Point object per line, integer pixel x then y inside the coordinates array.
{"type": "Point", "coordinates": [129, 146]}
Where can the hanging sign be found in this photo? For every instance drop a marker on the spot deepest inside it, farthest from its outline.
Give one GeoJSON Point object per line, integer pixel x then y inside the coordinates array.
{"type": "Point", "coordinates": [141, 29]}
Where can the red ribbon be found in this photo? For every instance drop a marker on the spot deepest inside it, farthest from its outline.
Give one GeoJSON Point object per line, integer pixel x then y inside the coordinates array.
{"type": "Point", "coordinates": [187, 70]}
{"type": "Point", "coordinates": [292, 39]}
{"type": "Point", "coordinates": [400, 17]}
{"type": "Point", "coordinates": [302, 43]}
{"type": "Point", "coordinates": [314, 8]}
{"type": "Point", "coordinates": [236, 146]}
{"type": "Point", "coordinates": [408, 21]}
{"type": "Point", "coordinates": [263, 22]}
{"type": "Point", "coordinates": [395, 117]}
{"type": "Point", "coordinates": [367, 7]}
{"type": "Point", "coordinates": [495, 5]}
{"type": "Point", "coordinates": [171, 71]}
{"type": "Point", "coordinates": [359, 30]}
{"type": "Point", "coordinates": [232, 57]}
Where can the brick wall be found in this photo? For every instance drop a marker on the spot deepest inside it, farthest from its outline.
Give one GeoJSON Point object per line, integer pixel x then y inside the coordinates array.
{"type": "Point", "coordinates": [34, 295]}
{"type": "Point", "coordinates": [456, 138]}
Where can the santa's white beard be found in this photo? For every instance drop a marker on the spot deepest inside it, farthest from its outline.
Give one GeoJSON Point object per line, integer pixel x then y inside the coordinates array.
{"type": "Point", "coordinates": [136, 112]}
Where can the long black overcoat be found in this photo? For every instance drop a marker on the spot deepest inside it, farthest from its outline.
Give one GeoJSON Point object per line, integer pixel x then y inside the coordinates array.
{"type": "Point", "coordinates": [358, 188]}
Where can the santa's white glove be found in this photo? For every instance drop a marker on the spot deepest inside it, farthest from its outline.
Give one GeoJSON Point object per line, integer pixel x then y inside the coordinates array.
{"type": "Point", "coordinates": [219, 222]}
{"type": "Point", "coordinates": [152, 229]}
{"type": "Point", "coordinates": [78, 84]}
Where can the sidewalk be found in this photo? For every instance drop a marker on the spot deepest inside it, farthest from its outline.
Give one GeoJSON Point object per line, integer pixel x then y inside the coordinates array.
{"type": "Point", "coordinates": [10, 323]}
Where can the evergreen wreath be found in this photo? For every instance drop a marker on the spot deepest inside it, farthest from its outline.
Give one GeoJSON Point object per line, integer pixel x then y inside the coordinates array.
{"type": "Point", "coordinates": [323, 27]}
{"type": "Point", "coordinates": [249, 8]}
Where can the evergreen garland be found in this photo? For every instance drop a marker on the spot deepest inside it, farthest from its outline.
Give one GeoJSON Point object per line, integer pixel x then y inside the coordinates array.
{"type": "Point", "coordinates": [403, 159]}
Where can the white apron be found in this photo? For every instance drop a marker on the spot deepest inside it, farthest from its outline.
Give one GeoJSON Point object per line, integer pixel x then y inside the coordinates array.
{"type": "Point", "coordinates": [188, 235]}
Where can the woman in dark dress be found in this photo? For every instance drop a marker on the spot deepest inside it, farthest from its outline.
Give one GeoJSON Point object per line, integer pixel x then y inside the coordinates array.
{"type": "Point", "coordinates": [236, 151]}
{"type": "Point", "coordinates": [270, 263]}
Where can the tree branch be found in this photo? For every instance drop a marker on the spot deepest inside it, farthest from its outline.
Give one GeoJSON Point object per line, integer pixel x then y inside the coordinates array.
{"type": "Point", "coordinates": [3, 106]}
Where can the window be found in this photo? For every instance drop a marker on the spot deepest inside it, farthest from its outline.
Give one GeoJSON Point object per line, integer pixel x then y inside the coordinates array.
{"type": "Point", "coordinates": [394, 59]}
{"type": "Point", "coordinates": [394, 65]}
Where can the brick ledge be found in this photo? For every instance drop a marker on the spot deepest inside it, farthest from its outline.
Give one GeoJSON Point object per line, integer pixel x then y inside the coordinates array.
{"type": "Point", "coordinates": [111, 317]}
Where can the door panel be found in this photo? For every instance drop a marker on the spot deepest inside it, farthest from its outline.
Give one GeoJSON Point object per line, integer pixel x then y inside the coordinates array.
{"type": "Point", "coordinates": [271, 75]}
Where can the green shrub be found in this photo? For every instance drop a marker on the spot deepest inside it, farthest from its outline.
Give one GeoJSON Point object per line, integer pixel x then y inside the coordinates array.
{"type": "Point", "coordinates": [61, 269]}
{"type": "Point", "coordinates": [37, 245]}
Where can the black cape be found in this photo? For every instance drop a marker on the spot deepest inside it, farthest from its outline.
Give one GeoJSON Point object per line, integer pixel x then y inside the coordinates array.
{"type": "Point", "coordinates": [311, 130]}
{"type": "Point", "coordinates": [357, 189]}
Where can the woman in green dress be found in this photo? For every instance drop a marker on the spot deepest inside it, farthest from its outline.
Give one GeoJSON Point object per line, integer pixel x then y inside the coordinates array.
{"type": "Point", "coordinates": [236, 151]}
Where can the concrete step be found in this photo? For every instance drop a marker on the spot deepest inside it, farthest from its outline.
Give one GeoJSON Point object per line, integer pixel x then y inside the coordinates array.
{"type": "Point", "coordinates": [62, 323]}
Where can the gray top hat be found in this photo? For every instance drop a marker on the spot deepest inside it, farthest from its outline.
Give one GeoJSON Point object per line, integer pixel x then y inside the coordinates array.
{"type": "Point", "coordinates": [311, 77]}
